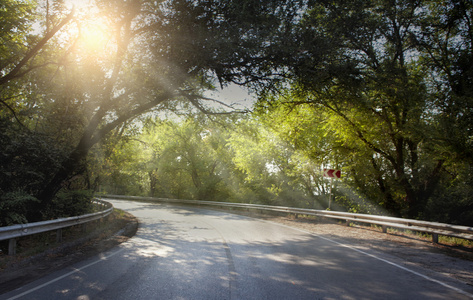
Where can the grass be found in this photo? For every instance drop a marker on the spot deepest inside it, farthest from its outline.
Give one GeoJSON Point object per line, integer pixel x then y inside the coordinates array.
{"type": "Point", "coordinates": [455, 242]}
{"type": "Point", "coordinates": [444, 240]}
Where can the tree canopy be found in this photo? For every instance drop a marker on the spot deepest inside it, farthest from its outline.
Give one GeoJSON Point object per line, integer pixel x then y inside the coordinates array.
{"type": "Point", "coordinates": [86, 73]}
{"type": "Point", "coordinates": [387, 74]}
{"type": "Point", "coordinates": [381, 89]}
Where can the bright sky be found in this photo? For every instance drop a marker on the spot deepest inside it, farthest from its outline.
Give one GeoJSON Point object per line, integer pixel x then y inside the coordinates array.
{"type": "Point", "coordinates": [77, 3]}
{"type": "Point", "coordinates": [233, 95]}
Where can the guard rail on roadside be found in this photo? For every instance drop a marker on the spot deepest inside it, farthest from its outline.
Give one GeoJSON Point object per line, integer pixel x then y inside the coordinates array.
{"type": "Point", "coordinates": [13, 232]}
{"type": "Point", "coordinates": [433, 228]}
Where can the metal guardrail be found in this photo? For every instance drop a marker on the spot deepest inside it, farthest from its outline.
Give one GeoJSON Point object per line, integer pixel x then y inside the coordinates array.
{"type": "Point", "coordinates": [13, 232]}
{"type": "Point", "coordinates": [433, 228]}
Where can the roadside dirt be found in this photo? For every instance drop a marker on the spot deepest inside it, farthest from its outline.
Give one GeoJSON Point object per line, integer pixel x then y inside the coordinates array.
{"type": "Point", "coordinates": [22, 269]}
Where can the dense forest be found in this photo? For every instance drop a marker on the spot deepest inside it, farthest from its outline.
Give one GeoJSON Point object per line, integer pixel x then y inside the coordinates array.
{"type": "Point", "coordinates": [111, 96]}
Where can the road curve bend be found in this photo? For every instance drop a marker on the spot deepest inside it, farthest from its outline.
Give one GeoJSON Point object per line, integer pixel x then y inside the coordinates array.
{"type": "Point", "coordinates": [194, 253]}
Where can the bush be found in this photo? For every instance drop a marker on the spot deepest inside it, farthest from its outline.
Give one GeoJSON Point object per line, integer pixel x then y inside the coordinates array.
{"type": "Point", "coordinates": [451, 208]}
{"type": "Point", "coordinates": [452, 201]}
{"type": "Point", "coordinates": [28, 159]}
{"type": "Point", "coordinates": [69, 204]}
{"type": "Point", "coordinates": [15, 207]}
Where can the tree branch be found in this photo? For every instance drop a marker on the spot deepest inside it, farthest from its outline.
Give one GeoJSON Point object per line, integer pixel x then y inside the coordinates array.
{"type": "Point", "coordinates": [15, 72]}
{"type": "Point", "coordinates": [360, 134]}
{"type": "Point", "coordinates": [133, 113]}
{"type": "Point", "coordinates": [194, 100]}
{"type": "Point", "coordinates": [13, 113]}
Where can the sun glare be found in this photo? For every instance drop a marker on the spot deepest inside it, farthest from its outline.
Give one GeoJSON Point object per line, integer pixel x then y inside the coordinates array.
{"type": "Point", "coordinates": [92, 30]}
{"type": "Point", "coordinates": [93, 36]}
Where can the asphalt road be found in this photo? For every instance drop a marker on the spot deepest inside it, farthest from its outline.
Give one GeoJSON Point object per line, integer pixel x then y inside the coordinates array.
{"type": "Point", "coordinates": [194, 253]}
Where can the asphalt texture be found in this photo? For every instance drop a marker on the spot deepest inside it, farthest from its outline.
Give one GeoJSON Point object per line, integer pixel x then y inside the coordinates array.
{"type": "Point", "coordinates": [195, 253]}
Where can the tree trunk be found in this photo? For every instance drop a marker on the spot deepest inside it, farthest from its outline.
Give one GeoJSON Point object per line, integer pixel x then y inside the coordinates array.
{"type": "Point", "coordinates": [153, 182]}
{"type": "Point", "coordinates": [67, 168]}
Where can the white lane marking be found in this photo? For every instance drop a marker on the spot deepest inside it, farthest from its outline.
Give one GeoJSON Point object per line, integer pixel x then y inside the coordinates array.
{"type": "Point", "coordinates": [378, 258]}
{"type": "Point", "coordinates": [66, 275]}
{"type": "Point", "coordinates": [274, 223]}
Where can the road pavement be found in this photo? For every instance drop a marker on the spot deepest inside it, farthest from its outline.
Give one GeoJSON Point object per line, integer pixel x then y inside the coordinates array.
{"type": "Point", "coordinates": [194, 253]}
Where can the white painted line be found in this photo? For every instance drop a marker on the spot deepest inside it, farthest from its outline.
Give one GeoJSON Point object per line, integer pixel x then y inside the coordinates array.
{"type": "Point", "coordinates": [378, 258]}
{"type": "Point", "coordinates": [65, 275]}
{"type": "Point", "coordinates": [367, 254]}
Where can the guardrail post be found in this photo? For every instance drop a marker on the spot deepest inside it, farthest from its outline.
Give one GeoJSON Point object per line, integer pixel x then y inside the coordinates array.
{"type": "Point", "coordinates": [59, 235]}
{"type": "Point", "coordinates": [435, 238]}
{"type": "Point", "coordinates": [12, 247]}
{"type": "Point", "coordinates": [385, 228]}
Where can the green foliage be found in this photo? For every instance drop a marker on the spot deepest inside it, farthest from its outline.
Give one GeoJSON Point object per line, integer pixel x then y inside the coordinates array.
{"type": "Point", "coordinates": [27, 159]}
{"type": "Point", "coordinates": [382, 82]}
{"type": "Point", "coordinates": [16, 18]}
{"type": "Point", "coordinates": [227, 159]}
{"type": "Point", "coordinates": [379, 89]}
{"type": "Point", "coordinates": [453, 202]}
{"type": "Point", "coordinates": [155, 56]}
{"type": "Point", "coordinates": [15, 207]}
{"type": "Point", "coordinates": [69, 204]}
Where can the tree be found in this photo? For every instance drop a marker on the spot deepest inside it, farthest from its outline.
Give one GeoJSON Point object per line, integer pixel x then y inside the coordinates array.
{"type": "Point", "coordinates": [173, 159]}
{"type": "Point", "coordinates": [93, 71]}
{"type": "Point", "coordinates": [223, 158]}
{"type": "Point", "coordinates": [156, 62]}
{"type": "Point", "coordinates": [270, 169]}
{"type": "Point", "coordinates": [318, 141]}
{"type": "Point", "coordinates": [17, 20]}
{"type": "Point", "coordinates": [153, 55]}
{"type": "Point", "coordinates": [21, 54]}
{"type": "Point", "coordinates": [446, 46]}
{"type": "Point", "coordinates": [359, 63]}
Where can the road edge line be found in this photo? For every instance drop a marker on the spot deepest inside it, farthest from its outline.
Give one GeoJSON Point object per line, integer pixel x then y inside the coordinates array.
{"type": "Point", "coordinates": [65, 275]}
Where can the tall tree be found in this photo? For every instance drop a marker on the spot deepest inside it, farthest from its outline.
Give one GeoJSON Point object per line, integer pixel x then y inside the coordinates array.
{"type": "Point", "coordinates": [94, 70]}
{"type": "Point", "coordinates": [359, 62]}
{"type": "Point", "coordinates": [446, 45]}
{"type": "Point", "coordinates": [22, 53]}
{"type": "Point", "coordinates": [159, 53]}
{"type": "Point", "coordinates": [174, 159]}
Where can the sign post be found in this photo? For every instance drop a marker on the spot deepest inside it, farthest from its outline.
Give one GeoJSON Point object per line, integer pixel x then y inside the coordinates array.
{"type": "Point", "coordinates": [332, 174]}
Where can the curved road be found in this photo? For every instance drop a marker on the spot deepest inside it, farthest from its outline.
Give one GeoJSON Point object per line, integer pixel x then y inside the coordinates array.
{"type": "Point", "coordinates": [193, 253]}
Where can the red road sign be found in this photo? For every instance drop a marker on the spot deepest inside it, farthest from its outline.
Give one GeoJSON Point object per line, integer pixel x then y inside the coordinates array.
{"type": "Point", "coordinates": [332, 173]}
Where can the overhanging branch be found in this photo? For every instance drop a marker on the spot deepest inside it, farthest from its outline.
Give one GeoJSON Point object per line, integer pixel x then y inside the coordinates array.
{"type": "Point", "coordinates": [13, 113]}
{"type": "Point", "coordinates": [133, 113]}
{"type": "Point", "coordinates": [194, 100]}
{"type": "Point", "coordinates": [15, 72]}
